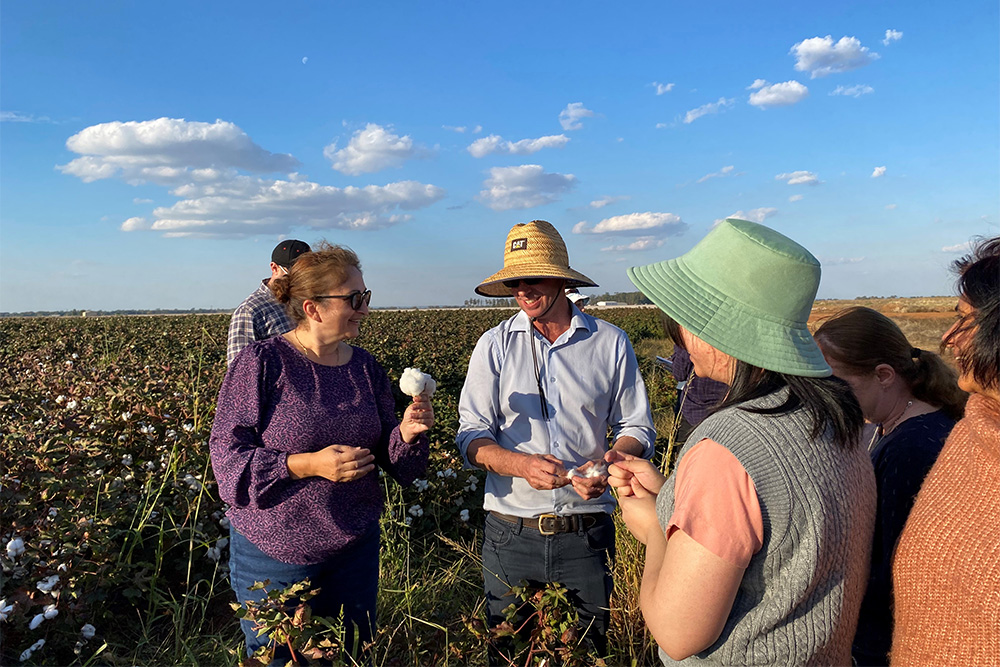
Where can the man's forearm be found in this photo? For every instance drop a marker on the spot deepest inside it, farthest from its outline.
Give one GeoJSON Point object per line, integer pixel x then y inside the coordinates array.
{"type": "Point", "coordinates": [488, 455]}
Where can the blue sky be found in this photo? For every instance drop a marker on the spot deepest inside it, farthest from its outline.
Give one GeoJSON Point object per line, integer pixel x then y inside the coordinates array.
{"type": "Point", "coordinates": [152, 154]}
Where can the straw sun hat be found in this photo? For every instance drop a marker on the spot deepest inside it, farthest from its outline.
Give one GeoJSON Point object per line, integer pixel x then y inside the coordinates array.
{"type": "Point", "coordinates": [746, 290]}
{"type": "Point", "coordinates": [533, 250]}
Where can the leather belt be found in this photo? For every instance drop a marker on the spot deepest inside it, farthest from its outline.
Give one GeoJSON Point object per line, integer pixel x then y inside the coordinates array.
{"type": "Point", "coordinates": [551, 524]}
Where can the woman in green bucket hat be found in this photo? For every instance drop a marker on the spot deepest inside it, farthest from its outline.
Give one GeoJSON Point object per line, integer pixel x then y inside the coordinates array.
{"type": "Point", "coordinates": [757, 547]}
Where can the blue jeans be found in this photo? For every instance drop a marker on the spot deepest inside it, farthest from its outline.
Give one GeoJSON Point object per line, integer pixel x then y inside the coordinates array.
{"type": "Point", "coordinates": [580, 561]}
{"type": "Point", "coordinates": [348, 582]}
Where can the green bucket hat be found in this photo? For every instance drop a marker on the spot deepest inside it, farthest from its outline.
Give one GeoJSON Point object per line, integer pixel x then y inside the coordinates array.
{"type": "Point", "coordinates": [746, 290]}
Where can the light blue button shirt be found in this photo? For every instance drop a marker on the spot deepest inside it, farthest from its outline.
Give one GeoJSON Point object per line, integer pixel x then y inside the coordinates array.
{"type": "Point", "coordinates": [592, 383]}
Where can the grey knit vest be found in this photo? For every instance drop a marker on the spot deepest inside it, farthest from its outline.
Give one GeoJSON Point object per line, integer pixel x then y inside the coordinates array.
{"type": "Point", "coordinates": [800, 595]}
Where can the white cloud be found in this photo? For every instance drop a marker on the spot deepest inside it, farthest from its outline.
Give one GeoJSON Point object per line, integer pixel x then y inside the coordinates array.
{"type": "Point", "coordinates": [373, 149]}
{"type": "Point", "coordinates": [136, 224]}
{"type": "Point", "coordinates": [477, 129]}
{"type": "Point", "coordinates": [892, 36]}
{"type": "Point", "coordinates": [777, 94]}
{"type": "Point", "coordinates": [665, 223]}
{"type": "Point", "coordinates": [834, 261]}
{"type": "Point", "coordinates": [890, 207]}
{"type": "Point", "coordinates": [959, 248]}
{"type": "Point", "coordinates": [168, 151]}
{"type": "Point", "coordinates": [796, 198]}
{"type": "Point", "coordinates": [246, 206]}
{"type": "Point", "coordinates": [821, 56]}
{"type": "Point", "coordinates": [799, 178]}
{"type": "Point", "coordinates": [757, 83]}
{"type": "Point", "coordinates": [879, 172]}
{"type": "Point", "coordinates": [753, 215]}
{"type": "Point", "coordinates": [18, 117]}
{"type": "Point", "coordinates": [570, 117]}
{"type": "Point", "coordinates": [604, 201]}
{"type": "Point", "coordinates": [495, 144]}
{"type": "Point", "coordinates": [660, 126]}
{"type": "Point", "coordinates": [525, 186]}
{"type": "Point", "coordinates": [202, 162]}
{"type": "Point", "coordinates": [705, 109]}
{"type": "Point", "coordinates": [662, 88]}
{"type": "Point", "coordinates": [452, 128]}
{"type": "Point", "coordinates": [305, 60]}
{"type": "Point", "coordinates": [641, 243]}
{"type": "Point", "coordinates": [725, 171]}
{"type": "Point", "coordinates": [140, 200]}
{"type": "Point", "coordinates": [853, 91]}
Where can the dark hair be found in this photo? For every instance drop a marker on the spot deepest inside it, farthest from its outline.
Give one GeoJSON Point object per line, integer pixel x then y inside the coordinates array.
{"type": "Point", "coordinates": [979, 282]}
{"type": "Point", "coordinates": [312, 274]}
{"type": "Point", "coordinates": [829, 401]}
{"type": "Point", "coordinates": [861, 339]}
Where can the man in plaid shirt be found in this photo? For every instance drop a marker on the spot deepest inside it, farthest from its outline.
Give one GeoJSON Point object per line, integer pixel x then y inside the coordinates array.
{"type": "Point", "coordinates": [260, 316]}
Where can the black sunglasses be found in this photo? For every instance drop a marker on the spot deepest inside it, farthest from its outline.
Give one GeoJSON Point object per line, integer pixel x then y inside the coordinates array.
{"type": "Point", "coordinates": [357, 298]}
{"type": "Point", "coordinates": [530, 282]}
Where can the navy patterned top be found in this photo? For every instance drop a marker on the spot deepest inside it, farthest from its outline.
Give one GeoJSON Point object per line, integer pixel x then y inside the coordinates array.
{"type": "Point", "coordinates": [275, 402]}
{"type": "Point", "coordinates": [902, 460]}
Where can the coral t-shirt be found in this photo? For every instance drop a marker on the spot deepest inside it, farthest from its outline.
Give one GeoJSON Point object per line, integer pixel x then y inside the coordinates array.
{"type": "Point", "coordinates": [716, 504]}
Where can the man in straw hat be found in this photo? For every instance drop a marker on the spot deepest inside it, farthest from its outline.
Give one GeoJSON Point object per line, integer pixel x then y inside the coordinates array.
{"type": "Point", "coordinates": [542, 390]}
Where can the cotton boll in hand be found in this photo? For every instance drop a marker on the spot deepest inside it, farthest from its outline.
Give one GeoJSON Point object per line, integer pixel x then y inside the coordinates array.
{"type": "Point", "coordinates": [414, 383]}
{"type": "Point", "coordinates": [596, 470]}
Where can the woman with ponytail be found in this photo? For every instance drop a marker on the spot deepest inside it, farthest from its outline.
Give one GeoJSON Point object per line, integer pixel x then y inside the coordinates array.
{"type": "Point", "coordinates": [911, 400]}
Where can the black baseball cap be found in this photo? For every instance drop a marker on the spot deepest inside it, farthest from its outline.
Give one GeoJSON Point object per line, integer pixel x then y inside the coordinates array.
{"type": "Point", "coordinates": [286, 252]}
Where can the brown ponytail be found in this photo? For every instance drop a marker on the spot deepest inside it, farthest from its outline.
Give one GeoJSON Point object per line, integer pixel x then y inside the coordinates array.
{"type": "Point", "coordinates": [862, 338]}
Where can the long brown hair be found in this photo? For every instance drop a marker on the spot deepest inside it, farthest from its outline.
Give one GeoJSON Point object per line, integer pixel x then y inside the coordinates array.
{"type": "Point", "coordinates": [861, 338]}
{"type": "Point", "coordinates": [311, 275]}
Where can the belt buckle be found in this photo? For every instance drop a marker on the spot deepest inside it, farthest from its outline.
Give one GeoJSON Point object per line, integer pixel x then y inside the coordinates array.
{"type": "Point", "coordinates": [541, 522]}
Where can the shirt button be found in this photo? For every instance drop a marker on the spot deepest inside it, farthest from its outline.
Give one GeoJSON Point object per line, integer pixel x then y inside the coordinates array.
{"type": "Point", "coordinates": [552, 379]}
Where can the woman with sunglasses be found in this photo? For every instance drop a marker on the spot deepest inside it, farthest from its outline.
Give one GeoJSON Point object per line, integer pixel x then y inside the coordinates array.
{"type": "Point", "coordinates": [302, 422]}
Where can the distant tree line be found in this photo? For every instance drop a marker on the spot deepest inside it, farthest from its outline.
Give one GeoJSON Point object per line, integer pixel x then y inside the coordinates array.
{"type": "Point", "coordinates": [627, 298]}
{"type": "Point", "coordinates": [105, 313]}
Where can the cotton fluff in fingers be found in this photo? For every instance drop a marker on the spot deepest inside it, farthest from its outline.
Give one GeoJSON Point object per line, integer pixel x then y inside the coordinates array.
{"type": "Point", "coordinates": [414, 383]}
{"type": "Point", "coordinates": [595, 471]}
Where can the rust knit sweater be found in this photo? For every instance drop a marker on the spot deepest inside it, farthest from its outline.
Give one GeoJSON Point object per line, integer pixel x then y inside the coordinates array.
{"type": "Point", "coordinates": [947, 568]}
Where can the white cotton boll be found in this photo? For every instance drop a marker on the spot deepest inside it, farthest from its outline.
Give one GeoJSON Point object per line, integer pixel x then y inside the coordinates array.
{"type": "Point", "coordinates": [413, 383]}
{"type": "Point", "coordinates": [15, 548]}
{"type": "Point", "coordinates": [464, 515]}
{"type": "Point", "coordinates": [47, 584]}
{"type": "Point", "coordinates": [50, 611]}
{"type": "Point", "coordinates": [36, 621]}
{"type": "Point", "coordinates": [88, 631]}
{"type": "Point", "coordinates": [213, 553]}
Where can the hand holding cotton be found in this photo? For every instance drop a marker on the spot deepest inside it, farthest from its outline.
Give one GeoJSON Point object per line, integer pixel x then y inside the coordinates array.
{"type": "Point", "coordinates": [413, 383]}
